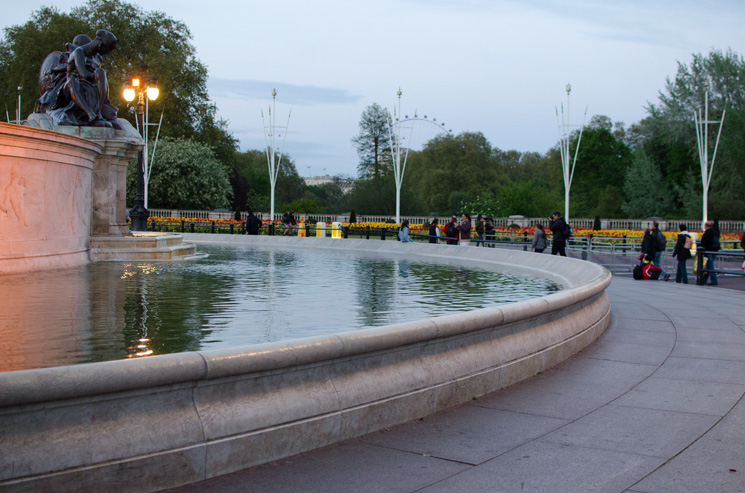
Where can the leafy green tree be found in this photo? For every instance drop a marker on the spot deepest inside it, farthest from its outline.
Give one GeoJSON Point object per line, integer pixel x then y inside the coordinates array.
{"type": "Point", "coordinates": [330, 197]}
{"type": "Point", "coordinates": [251, 180]}
{"type": "Point", "coordinates": [368, 197]}
{"type": "Point", "coordinates": [186, 175]}
{"type": "Point", "coordinates": [447, 164]}
{"type": "Point", "coordinates": [601, 166]}
{"type": "Point", "coordinates": [373, 143]}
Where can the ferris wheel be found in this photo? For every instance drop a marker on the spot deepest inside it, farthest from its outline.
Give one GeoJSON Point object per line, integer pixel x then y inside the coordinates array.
{"type": "Point", "coordinates": [409, 134]}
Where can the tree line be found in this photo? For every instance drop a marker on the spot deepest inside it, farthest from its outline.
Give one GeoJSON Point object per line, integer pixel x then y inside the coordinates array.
{"type": "Point", "coordinates": [650, 168]}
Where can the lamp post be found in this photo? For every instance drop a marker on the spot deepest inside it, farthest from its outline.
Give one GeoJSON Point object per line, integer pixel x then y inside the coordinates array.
{"type": "Point", "coordinates": [702, 137]}
{"type": "Point", "coordinates": [565, 139]}
{"type": "Point", "coordinates": [137, 88]}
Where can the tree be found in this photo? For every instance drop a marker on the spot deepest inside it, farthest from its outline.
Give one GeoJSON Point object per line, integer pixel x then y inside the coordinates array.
{"type": "Point", "coordinates": [601, 166]}
{"type": "Point", "coordinates": [372, 143]}
{"type": "Point", "coordinates": [463, 163]}
{"type": "Point", "coordinates": [186, 175]}
{"type": "Point", "coordinates": [647, 194]}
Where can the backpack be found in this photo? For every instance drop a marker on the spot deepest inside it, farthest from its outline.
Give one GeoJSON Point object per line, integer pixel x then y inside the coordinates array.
{"type": "Point", "coordinates": [661, 241]}
{"type": "Point", "coordinates": [567, 233]}
{"type": "Point", "coordinates": [451, 231]}
{"type": "Point", "coordinates": [688, 243]}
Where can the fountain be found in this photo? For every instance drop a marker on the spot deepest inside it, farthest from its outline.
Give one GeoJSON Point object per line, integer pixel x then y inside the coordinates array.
{"type": "Point", "coordinates": [181, 418]}
{"type": "Point", "coordinates": [157, 422]}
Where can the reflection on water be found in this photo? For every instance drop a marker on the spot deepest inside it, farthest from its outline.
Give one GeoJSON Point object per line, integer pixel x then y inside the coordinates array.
{"type": "Point", "coordinates": [238, 295]}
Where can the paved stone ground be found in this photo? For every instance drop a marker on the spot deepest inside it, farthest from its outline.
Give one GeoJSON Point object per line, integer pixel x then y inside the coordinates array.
{"type": "Point", "coordinates": [654, 405]}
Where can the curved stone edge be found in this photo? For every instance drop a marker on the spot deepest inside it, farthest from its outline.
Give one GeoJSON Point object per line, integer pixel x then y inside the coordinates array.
{"type": "Point", "coordinates": [181, 418]}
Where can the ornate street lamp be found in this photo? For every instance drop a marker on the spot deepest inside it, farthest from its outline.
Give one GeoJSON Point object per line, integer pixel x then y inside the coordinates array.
{"type": "Point", "coordinates": [138, 87]}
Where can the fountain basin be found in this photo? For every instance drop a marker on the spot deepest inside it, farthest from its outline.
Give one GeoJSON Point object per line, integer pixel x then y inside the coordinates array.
{"type": "Point", "coordinates": [180, 418]}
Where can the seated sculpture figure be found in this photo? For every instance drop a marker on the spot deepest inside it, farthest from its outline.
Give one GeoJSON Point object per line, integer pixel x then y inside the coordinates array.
{"type": "Point", "coordinates": [74, 88]}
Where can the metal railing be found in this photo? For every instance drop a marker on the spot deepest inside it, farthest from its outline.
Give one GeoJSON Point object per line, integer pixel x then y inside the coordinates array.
{"type": "Point", "coordinates": [499, 222]}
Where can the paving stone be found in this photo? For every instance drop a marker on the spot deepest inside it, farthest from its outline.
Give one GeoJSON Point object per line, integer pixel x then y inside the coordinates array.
{"type": "Point", "coordinates": [548, 467]}
{"type": "Point", "coordinates": [634, 430]}
{"type": "Point", "coordinates": [468, 434]}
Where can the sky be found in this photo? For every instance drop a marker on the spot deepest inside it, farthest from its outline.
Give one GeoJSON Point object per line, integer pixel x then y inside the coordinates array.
{"type": "Point", "coordinates": [499, 67]}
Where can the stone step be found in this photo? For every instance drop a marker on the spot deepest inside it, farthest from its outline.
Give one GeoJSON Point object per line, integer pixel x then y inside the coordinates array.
{"type": "Point", "coordinates": [142, 247]}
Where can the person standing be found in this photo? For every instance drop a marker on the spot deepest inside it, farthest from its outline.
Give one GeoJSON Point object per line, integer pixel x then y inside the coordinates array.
{"type": "Point", "coordinates": [539, 239]}
{"type": "Point", "coordinates": [682, 251]}
{"type": "Point", "coordinates": [480, 230]}
{"type": "Point", "coordinates": [434, 231]}
{"type": "Point", "coordinates": [489, 232]}
{"type": "Point", "coordinates": [253, 224]}
{"type": "Point", "coordinates": [649, 248]}
{"type": "Point", "coordinates": [710, 244]}
{"type": "Point", "coordinates": [464, 228]}
{"type": "Point", "coordinates": [559, 228]}
{"type": "Point", "coordinates": [451, 231]}
{"type": "Point", "coordinates": [661, 245]}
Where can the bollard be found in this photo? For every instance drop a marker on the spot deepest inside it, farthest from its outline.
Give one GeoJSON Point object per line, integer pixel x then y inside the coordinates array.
{"type": "Point", "coordinates": [183, 226]}
{"type": "Point", "coordinates": [336, 230]}
{"type": "Point", "coordinates": [345, 232]}
{"type": "Point", "coordinates": [301, 228]}
{"type": "Point", "coordinates": [623, 249]}
{"type": "Point", "coordinates": [152, 225]}
{"type": "Point", "coordinates": [212, 229]}
{"type": "Point", "coordinates": [382, 233]}
{"type": "Point", "coordinates": [232, 228]}
{"type": "Point", "coordinates": [307, 230]}
{"type": "Point", "coordinates": [191, 227]}
{"type": "Point", "coordinates": [270, 229]}
{"type": "Point", "coordinates": [321, 229]}
{"type": "Point", "coordinates": [699, 267]}
{"type": "Point", "coordinates": [367, 232]}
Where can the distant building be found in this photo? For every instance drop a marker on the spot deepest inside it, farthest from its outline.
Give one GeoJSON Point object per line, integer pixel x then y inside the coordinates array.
{"type": "Point", "coordinates": [345, 184]}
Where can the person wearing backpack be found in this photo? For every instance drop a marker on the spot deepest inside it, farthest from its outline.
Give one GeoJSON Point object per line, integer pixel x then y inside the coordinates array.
{"type": "Point", "coordinates": [561, 231]}
{"type": "Point", "coordinates": [682, 251]}
{"type": "Point", "coordinates": [451, 231]}
{"type": "Point", "coordinates": [661, 242]}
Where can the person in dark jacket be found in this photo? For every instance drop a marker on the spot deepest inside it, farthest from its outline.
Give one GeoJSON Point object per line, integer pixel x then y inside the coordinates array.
{"type": "Point", "coordinates": [253, 224]}
{"type": "Point", "coordinates": [558, 227]}
{"type": "Point", "coordinates": [489, 232]}
{"type": "Point", "coordinates": [480, 230]}
{"type": "Point", "coordinates": [661, 245]}
{"type": "Point", "coordinates": [649, 247]}
{"type": "Point", "coordinates": [682, 254]}
{"type": "Point", "coordinates": [434, 231]}
{"type": "Point", "coordinates": [710, 244]}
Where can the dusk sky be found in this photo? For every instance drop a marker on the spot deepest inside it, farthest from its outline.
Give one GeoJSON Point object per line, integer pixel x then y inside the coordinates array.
{"type": "Point", "coordinates": [497, 67]}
